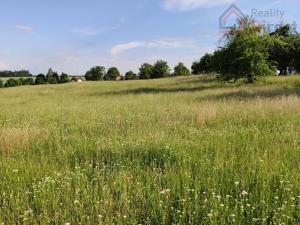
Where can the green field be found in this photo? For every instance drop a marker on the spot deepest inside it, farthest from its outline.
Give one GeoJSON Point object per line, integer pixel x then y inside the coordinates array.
{"type": "Point", "coordinates": [185, 150]}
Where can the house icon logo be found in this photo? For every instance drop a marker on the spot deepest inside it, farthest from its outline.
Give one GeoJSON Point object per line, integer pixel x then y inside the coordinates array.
{"type": "Point", "coordinates": [229, 18]}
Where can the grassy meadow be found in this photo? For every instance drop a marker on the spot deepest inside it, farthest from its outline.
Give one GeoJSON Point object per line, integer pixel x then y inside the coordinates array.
{"type": "Point", "coordinates": [186, 150]}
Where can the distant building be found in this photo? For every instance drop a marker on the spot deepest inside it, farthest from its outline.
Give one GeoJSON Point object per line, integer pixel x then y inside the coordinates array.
{"type": "Point", "coordinates": [77, 79]}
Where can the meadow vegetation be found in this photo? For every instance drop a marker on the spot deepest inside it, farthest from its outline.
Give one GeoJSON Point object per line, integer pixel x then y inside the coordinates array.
{"type": "Point", "coordinates": [186, 150]}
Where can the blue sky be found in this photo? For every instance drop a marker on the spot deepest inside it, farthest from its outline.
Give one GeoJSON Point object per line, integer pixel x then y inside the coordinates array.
{"type": "Point", "coordinates": [74, 35]}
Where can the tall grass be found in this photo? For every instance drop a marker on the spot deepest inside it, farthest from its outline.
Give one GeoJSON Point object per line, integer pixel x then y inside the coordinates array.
{"type": "Point", "coordinates": [170, 151]}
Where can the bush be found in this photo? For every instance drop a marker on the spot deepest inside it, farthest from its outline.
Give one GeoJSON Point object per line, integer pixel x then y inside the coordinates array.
{"type": "Point", "coordinates": [112, 74]}
{"type": "Point", "coordinates": [52, 80]}
{"type": "Point", "coordinates": [181, 70]}
{"type": "Point", "coordinates": [40, 79]}
{"type": "Point", "coordinates": [130, 76]}
{"type": "Point", "coordinates": [146, 71]}
{"type": "Point", "coordinates": [28, 81]}
{"type": "Point", "coordinates": [204, 66]}
{"type": "Point", "coordinates": [160, 69]}
{"type": "Point", "coordinates": [64, 78]}
{"type": "Point", "coordinates": [12, 83]}
{"type": "Point", "coordinates": [1, 84]}
{"type": "Point", "coordinates": [95, 74]}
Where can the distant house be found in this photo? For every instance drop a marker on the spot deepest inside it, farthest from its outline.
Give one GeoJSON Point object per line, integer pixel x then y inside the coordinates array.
{"type": "Point", "coordinates": [120, 78]}
{"type": "Point", "coordinates": [77, 79]}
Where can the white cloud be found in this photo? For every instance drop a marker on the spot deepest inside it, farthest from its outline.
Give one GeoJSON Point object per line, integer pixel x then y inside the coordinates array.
{"type": "Point", "coordinates": [118, 49]}
{"type": "Point", "coordinates": [184, 5]}
{"type": "Point", "coordinates": [163, 43]}
{"type": "Point", "coordinates": [24, 28]}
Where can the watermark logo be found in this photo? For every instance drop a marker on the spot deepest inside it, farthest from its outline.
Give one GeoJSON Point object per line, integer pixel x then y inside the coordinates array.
{"type": "Point", "coordinates": [228, 19]}
{"type": "Point", "coordinates": [269, 19]}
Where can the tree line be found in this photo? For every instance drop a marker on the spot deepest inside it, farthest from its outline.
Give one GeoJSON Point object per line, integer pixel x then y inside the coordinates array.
{"type": "Point", "coordinates": [51, 78]}
{"type": "Point", "coordinates": [147, 71]}
{"type": "Point", "coordinates": [21, 73]}
{"type": "Point", "coordinates": [248, 52]}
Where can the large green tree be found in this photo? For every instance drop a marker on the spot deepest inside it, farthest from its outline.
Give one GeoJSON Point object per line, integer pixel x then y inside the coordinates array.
{"type": "Point", "coordinates": [296, 52]}
{"type": "Point", "coordinates": [95, 74]}
{"type": "Point", "coordinates": [64, 78]}
{"type": "Point", "coordinates": [181, 70]}
{"type": "Point", "coordinates": [204, 66]}
{"type": "Point", "coordinates": [40, 79]}
{"type": "Point", "coordinates": [281, 50]}
{"type": "Point", "coordinates": [160, 69]}
{"type": "Point", "coordinates": [112, 73]}
{"type": "Point", "coordinates": [146, 71]}
{"type": "Point", "coordinates": [246, 53]}
{"type": "Point", "coordinates": [130, 75]}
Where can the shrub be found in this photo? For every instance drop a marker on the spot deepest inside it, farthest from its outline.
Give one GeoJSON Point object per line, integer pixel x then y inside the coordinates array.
{"type": "Point", "coordinates": [12, 83]}
{"type": "Point", "coordinates": [130, 76]}
{"type": "Point", "coordinates": [181, 70]}
{"type": "Point", "coordinates": [28, 81]}
{"type": "Point", "coordinates": [160, 69]}
{"type": "Point", "coordinates": [40, 79]}
{"type": "Point", "coordinates": [64, 78]}
{"type": "Point", "coordinates": [204, 66]}
{"type": "Point", "coordinates": [52, 80]}
{"type": "Point", "coordinates": [95, 74]}
{"type": "Point", "coordinates": [146, 71]}
{"type": "Point", "coordinates": [112, 74]}
{"type": "Point", "coordinates": [1, 84]}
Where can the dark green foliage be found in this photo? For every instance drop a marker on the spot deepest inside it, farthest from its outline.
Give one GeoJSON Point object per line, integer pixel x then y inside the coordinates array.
{"type": "Point", "coordinates": [160, 69]}
{"type": "Point", "coordinates": [64, 78]}
{"type": "Point", "coordinates": [28, 81]}
{"type": "Point", "coordinates": [245, 54]}
{"type": "Point", "coordinates": [13, 82]}
{"type": "Point", "coordinates": [40, 79]}
{"type": "Point", "coordinates": [204, 66]}
{"type": "Point", "coordinates": [130, 75]}
{"type": "Point", "coordinates": [247, 57]}
{"type": "Point", "coordinates": [21, 73]}
{"type": "Point", "coordinates": [52, 77]}
{"type": "Point", "coordinates": [181, 70]}
{"type": "Point", "coordinates": [146, 71]}
{"type": "Point", "coordinates": [52, 80]}
{"type": "Point", "coordinates": [95, 74]}
{"type": "Point", "coordinates": [281, 50]}
{"type": "Point", "coordinates": [112, 74]}
{"type": "Point", "coordinates": [296, 52]}
{"type": "Point", "coordinates": [1, 84]}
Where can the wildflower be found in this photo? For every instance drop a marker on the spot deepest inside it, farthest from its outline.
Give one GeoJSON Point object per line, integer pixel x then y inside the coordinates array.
{"type": "Point", "coordinates": [236, 183]}
{"type": "Point", "coordinates": [165, 191]}
{"type": "Point", "coordinates": [76, 202]}
{"type": "Point", "coordinates": [210, 215]}
{"type": "Point", "coordinates": [244, 193]}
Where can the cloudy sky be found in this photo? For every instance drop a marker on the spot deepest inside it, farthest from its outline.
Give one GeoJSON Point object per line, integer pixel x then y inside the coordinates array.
{"type": "Point", "coordinates": [73, 35]}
